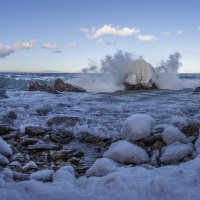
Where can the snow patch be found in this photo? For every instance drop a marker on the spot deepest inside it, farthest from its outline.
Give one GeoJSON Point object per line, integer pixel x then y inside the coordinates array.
{"type": "Point", "coordinates": [5, 148]}
{"type": "Point", "coordinates": [42, 175]}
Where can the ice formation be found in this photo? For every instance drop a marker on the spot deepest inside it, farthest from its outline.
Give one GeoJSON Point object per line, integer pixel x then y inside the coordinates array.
{"type": "Point", "coordinates": [5, 148]}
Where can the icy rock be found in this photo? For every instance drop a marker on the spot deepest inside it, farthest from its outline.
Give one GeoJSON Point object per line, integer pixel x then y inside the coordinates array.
{"type": "Point", "coordinates": [7, 174]}
{"type": "Point", "coordinates": [175, 152]}
{"type": "Point", "coordinates": [125, 152]}
{"type": "Point", "coordinates": [30, 166]}
{"type": "Point", "coordinates": [102, 167]}
{"type": "Point", "coordinates": [197, 90]}
{"type": "Point", "coordinates": [136, 127]}
{"type": "Point", "coordinates": [18, 157]}
{"type": "Point", "coordinates": [64, 174]}
{"type": "Point", "coordinates": [15, 165]}
{"type": "Point", "coordinates": [179, 121]}
{"type": "Point", "coordinates": [3, 160]}
{"type": "Point", "coordinates": [172, 134]}
{"type": "Point", "coordinates": [42, 175]}
{"type": "Point", "coordinates": [5, 148]}
{"type": "Point", "coordinates": [34, 131]}
{"type": "Point", "coordinates": [26, 140]}
{"type": "Point", "coordinates": [155, 157]}
{"type": "Point", "coordinates": [197, 145]}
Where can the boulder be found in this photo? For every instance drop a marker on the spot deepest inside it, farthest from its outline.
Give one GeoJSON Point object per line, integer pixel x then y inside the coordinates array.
{"type": "Point", "coordinates": [6, 128]}
{"type": "Point", "coordinates": [30, 166]}
{"type": "Point", "coordinates": [42, 175]}
{"type": "Point", "coordinates": [126, 153]}
{"type": "Point", "coordinates": [196, 90]}
{"type": "Point", "coordinates": [34, 131]}
{"type": "Point", "coordinates": [61, 86]}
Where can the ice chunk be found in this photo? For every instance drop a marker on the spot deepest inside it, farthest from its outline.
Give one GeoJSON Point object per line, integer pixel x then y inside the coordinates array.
{"type": "Point", "coordinates": [172, 134]}
{"type": "Point", "coordinates": [42, 175]}
{"type": "Point", "coordinates": [101, 167]}
{"type": "Point", "coordinates": [5, 148]}
{"type": "Point", "coordinates": [125, 152]}
{"type": "Point", "coordinates": [175, 152]}
{"type": "Point", "coordinates": [137, 126]}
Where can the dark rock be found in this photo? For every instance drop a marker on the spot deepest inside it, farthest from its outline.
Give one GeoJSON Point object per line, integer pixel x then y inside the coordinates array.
{"type": "Point", "coordinates": [60, 155]}
{"type": "Point", "coordinates": [5, 128]}
{"type": "Point", "coordinates": [78, 154]}
{"type": "Point", "coordinates": [15, 165]}
{"type": "Point", "coordinates": [3, 94]}
{"type": "Point", "coordinates": [43, 147]}
{"type": "Point", "coordinates": [18, 157]}
{"type": "Point", "coordinates": [34, 131]}
{"type": "Point", "coordinates": [43, 111]}
{"type": "Point", "coordinates": [10, 135]}
{"type": "Point", "coordinates": [197, 91]}
{"type": "Point", "coordinates": [3, 160]}
{"type": "Point", "coordinates": [191, 129]}
{"type": "Point", "coordinates": [61, 86]}
{"type": "Point", "coordinates": [25, 140]}
{"type": "Point", "coordinates": [58, 139]}
{"type": "Point", "coordinates": [35, 86]}
{"type": "Point", "coordinates": [139, 86]}
{"type": "Point", "coordinates": [11, 115]}
{"type": "Point", "coordinates": [63, 120]}
{"type": "Point", "coordinates": [74, 161]}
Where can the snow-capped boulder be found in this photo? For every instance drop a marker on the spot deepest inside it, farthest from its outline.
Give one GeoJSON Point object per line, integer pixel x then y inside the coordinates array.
{"type": "Point", "coordinates": [136, 127]}
{"type": "Point", "coordinates": [42, 175]}
{"type": "Point", "coordinates": [3, 160]}
{"type": "Point", "coordinates": [102, 167]}
{"type": "Point", "coordinates": [29, 166]}
{"type": "Point", "coordinates": [175, 152]}
{"type": "Point", "coordinates": [125, 152]}
{"type": "Point", "coordinates": [5, 148]}
{"type": "Point", "coordinates": [172, 134]}
{"type": "Point", "coordinates": [141, 72]}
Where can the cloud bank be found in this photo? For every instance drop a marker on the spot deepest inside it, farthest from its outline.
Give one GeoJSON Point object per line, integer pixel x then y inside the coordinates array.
{"type": "Point", "coordinates": [49, 46]}
{"type": "Point", "coordinates": [5, 50]}
{"type": "Point", "coordinates": [24, 45]}
{"type": "Point", "coordinates": [146, 38]}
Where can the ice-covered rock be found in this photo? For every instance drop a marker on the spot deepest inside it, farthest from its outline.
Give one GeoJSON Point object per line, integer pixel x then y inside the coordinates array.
{"type": "Point", "coordinates": [3, 160]}
{"type": "Point", "coordinates": [6, 174]}
{"type": "Point", "coordinates": [125, 152]}
{"type": "Point", "coordinates": [5, 148]}
{"type": "Point", "coordinates": [175, 152]}
{"type": "Point", "coordinates": [42, 175]}
{"type": "Point", "coordinates": [29, 166]}
{"type": "Point", "coordinates": [101, 167]}
{"type": "Point", "coordinates": [15, 165]}
{"type": "Point", "coordinates": [172, 134]}
{"type": "Point", "coordinates": [137, 126]}
{"type": "Point", "coordinates": [179, 121]}
{"type": "Point", "coordinates": [197, 145]}
{"type": "Point", "coordinates": [64, 174]}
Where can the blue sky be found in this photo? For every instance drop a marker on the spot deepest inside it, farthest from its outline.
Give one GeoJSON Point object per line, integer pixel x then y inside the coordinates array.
{"type": "Point", "coordinates": [62, 35]}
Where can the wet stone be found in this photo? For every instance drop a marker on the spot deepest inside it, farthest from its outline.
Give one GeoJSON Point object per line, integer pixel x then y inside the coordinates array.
{"type": "Point", "coordinates": [74, 161]}
{"type": "Point", "coordinates": [10, 135]}
{"type": "Point", "coordinates": [15, 165]}
{"type": "Point", "coordinates": [58, 139]}
{"type": "Point", "coordinates": [191, 129]}
{"type": "Point", "coordinates": [5, 128]}
{"type": "Point", "coordinates": [18, 157]}
{"type": "Point", "coordinates": [78, 154]}
{"type": "Point", "coordinates": [34, 131]}
{"type": "Point", "coordinates": [63, 155]}
{"type": "Point", "coordinates": [63, 120]}
{"type": "Point", "coordinates": [43, 111]}
{"type": "Point", "coordinates": [11, 115]}
{"type": "Point", "coordinates": [25, 141]}
{"type": "Point", "coordinates": [43, 147]}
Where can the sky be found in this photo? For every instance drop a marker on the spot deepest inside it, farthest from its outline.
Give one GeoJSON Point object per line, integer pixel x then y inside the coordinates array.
{"type": "Point", "coordinates": [64, 35]}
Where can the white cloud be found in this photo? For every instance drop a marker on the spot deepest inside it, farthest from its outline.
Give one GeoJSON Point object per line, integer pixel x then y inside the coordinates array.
{"type": "Point", "coordinates": [72, 44]}
{"type": "Point", "coordinates": [5, 50]}
{"type": "Point", "coordinates": [105, 42]}
{"type": "Point", "coordinates": [179, 32]}
{"type": "Point", "coordinates": [168, 33]}
{"type": "Point", "coordinates": [49, 46]}
{"type": "Point", "coordinates": [24, 45]}
{"type": "Point", "coordinates": [146, 38]}
{"type": "Point", "coordinates": [110, 30]}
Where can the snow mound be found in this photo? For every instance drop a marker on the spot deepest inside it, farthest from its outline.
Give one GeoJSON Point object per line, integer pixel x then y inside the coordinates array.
{"type": "Point", "coordinates": [64, 174]}
{"type": "Point", "coordinates": [125, 152]}
{"type": "Point", "coordinates": [42, 175]}
{"type": "Point", "coordinates": [5, 148]}
{"type": "Point", "coordinates": [29, 166]}
{"type": "Point", "coordinates": [101, 167]}
{"type": "Point", "coordinates": [172, 134]}
{"type": "Point", "coordinates": [175, 152]}
{"type": "Point", "coordinates": [137, 126]}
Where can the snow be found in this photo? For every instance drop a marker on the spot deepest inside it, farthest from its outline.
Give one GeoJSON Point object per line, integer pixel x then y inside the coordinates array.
{"type": "Point", "coordinates": [137, 126]}
{"type": "Point", "coordinates": [42, 175]}
{"type": "Point", "coordinates": [197, 144]}
{"type": "Point", "coordinates": [172, 134]}
{"type": "Point", "coordinates": [3, 160]}
{"type": "Point", "coordinates": [102, 167]}
{"type": "Point", "coordinates": [5, 148]}
{"type": "Point", "coordinates": [125, 152]}
{"type": "Point", "coordinates": [175, 152]}
{"type": "Point", "coordinates": [30, 165]}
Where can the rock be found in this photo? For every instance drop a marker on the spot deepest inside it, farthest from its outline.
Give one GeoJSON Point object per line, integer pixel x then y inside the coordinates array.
{"type": "Point", "coordinates": [17, 176]}
{"type": "Point", "coordinates": [30, 166]}
{"type": "Point", "coordinates": [43, 111]}
{"type": "Point", "coordinates": [154, 160]}
{"type": "Point", "coordinates": [5, 128]}
{"type": "Point", "coordinates": [197, 145]}
{"type": "Point", "coordinates": [5, 149]}
{"type": "Point", "coordinates": [196, 91]}
{"type": "Point", "coordinates": [3, 94]}
{"type": "Point", "coordinates": [172, 134]}
{"type": "Point", "coordinates": [59, 85]}
{"type": "Point", "coordinates": [35, 86]}
{"type": "Point", "coordinates": [126, 153]}
{"type": "Point", "coordinates": [136, 127]}
{"type": "Point", "coordinates": [191, 129]}
{"type": "Point", "coordinates": [58, 139]}
{"type": "Point", "coordinates": [15, 165]}
{"type": "Point", "coordinates": [11, 115]}
{"type": "Point", "coordinates": [102, 167]}
{"type": "Point", "coordinates": [74, 161]}
{"type": "Point", "coordinates": [3, 160]}
{"type": "Point", "coordinates": [34, 131]}
{"type": "Point", "coordinates": [43, 147]}
{"type": "Point", "coordinates": [42, 175]}
{"type": "Point", "coordinates": [26, 140]}
{"type": "Point", "coordinates": [130, 87]}
{"type": "Point", "coordinates": [10, 135]}
{"type": "Point", "coordinates": [78, 154]}
{"type": "Point", "coordinates": [175, 152]}
{"type": "Point", "coordinates": [63, 120]}
{"type": "Point", "coordinates": [63, 155]}
{"type": "Point", "coordinates": [18, 157]}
